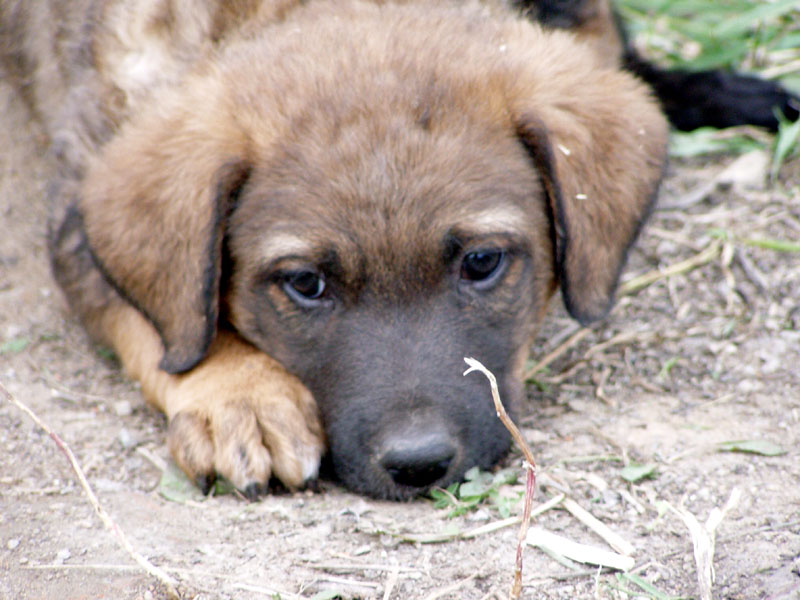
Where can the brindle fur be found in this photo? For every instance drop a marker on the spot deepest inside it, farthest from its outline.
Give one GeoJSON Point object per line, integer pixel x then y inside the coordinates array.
{"type": "Point", "coordinates": [206, 147]}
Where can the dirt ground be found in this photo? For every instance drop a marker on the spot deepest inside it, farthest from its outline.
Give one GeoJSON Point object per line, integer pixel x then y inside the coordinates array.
{"type": "Point", "coordinates": [706, 356]}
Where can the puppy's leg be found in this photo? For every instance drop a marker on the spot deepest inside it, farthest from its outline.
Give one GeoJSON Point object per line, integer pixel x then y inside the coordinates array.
{"type": "Point", "coordinates": [238, 413]}
{"type": "Point", "coordinates": [715, 98]}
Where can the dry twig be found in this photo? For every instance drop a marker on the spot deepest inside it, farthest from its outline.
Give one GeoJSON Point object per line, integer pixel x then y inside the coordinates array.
{"type": "Point", "coordinates": [566, 345]}
{"type": "Point", "coordinates": [704, 540]}
{"type": "Point", "coordinates": [612, 538]}
{"type": "Point", "coordinates": [168, 582]}
{"type": "Point", "coordinates": [391, 581]}
{"type": "Point", "coordinates": [711, 252]}
{"type": "Point", "coordinates": [701, 258]}
{"type": "Point", "coordinates": [474, 365]}
{"type": "Point", "coordinates": [583, 553]}
{"type": "Point", "coordinates": [450, 588]}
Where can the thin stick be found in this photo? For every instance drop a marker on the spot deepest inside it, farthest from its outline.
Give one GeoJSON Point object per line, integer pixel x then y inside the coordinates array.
{"type": "Point", "coordinates": [158, 462]}
{"type": "Point", "coordinates": [349, 582]}
{"type": "Point", "coordinates": [530, 487]}
{"type": "Point", "coordinates": [629, 287]}
{"type": "Point", "coordinates": [391, 581]}
{"type": "Point", "coordinates": [84, 567]}
{"type": "Point", "coordinates": [612, 538]}
{"type": "Point", "coordinates": [566, 345]}
{"type": "Point", "coordinates": [151, 569]}
{"type": "Point", "coordinates": [450, 588]}
{"type": "Point", "coordinates": [579, 552]}
{"type": "Point", "coordinates": [623, 337]}
{"type": "Point", "coordinates": [490, 527]}
{"type": "Point", "coordinates": [706, 256]}
{"type": "Point", "coordinates": [349, 567]}
{"type": "Point", "coordinates": [704, 540]}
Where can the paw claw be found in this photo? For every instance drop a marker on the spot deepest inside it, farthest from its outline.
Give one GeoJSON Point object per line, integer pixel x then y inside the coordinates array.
{"type": "Point", "coordinates": [254, 491]}
{"type": "Point", "coordinates": [313, 485]}
{"type": "Point", "coordinates": [205, 481]}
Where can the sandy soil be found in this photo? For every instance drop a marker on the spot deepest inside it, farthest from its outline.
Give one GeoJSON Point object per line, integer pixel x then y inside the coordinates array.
{"type": "Point", "coordinates": [706, 356]}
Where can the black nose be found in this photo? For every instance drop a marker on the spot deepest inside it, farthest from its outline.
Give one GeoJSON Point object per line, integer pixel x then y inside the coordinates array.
{"type": "Point", "coordinates": [418, 461]}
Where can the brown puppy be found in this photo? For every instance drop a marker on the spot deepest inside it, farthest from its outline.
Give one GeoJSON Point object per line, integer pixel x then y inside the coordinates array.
{"type": "Point", "coordinates": [290, 218]}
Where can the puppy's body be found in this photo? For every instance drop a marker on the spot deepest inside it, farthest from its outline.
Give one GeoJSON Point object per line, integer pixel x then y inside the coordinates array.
{"type": "Point", "coordinates": [294, 217]}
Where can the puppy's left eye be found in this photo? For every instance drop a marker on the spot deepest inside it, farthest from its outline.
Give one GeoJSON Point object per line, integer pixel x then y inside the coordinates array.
{"type": "Point", "coordinates": [306, 288]}
{"type": "Point", "coordinates": [483, 266]}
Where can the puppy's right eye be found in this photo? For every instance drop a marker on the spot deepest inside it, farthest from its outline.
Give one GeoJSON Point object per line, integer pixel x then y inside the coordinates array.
{"type": "Point", "coordinates": [483, 267]}
{"type": "Point", "coordinates": [305, 287]}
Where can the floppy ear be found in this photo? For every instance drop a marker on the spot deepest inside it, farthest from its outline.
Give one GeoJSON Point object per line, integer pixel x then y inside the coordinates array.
{"type": "Point", "coordinates": [154, 207]}
{"type": "Point", "coordinates": [599, 144]}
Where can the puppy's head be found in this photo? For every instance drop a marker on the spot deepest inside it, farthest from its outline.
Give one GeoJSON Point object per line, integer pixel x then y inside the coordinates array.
{"type": "Point", "coordinates": [369, 203]}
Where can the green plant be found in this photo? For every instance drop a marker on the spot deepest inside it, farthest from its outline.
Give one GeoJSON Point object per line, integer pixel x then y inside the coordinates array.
{"type": "Point", "coordinates": [478, 487]}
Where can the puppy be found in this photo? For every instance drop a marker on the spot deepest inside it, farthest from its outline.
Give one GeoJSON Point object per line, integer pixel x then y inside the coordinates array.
{"type": "Point", "coordinates": [292, 220]}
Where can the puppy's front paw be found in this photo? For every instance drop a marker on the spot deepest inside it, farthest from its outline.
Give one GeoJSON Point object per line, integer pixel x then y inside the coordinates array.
{"type": "Point", "coordinates": [239, 414]}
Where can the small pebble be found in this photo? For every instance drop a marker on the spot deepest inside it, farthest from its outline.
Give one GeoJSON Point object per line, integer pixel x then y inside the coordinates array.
{"type": "Point", "coordinates": [123, 408]}
{"type": "Point", "coordinates": [12, 544]}
{"type": "Point", "coordinates": [479, 515]}
{"type": "Point", "coordinates": [13, 331]}
{"type": "Point", "coordinates": [63, 555]}
{"type": "Point", "coordinates": [536, 436]}
{"type": "Point", "coordinates": [749, 385]}
{"type": "Point", "coordinates": [127, 439]}
{"type": "Point", "coordinates": [107, 485]}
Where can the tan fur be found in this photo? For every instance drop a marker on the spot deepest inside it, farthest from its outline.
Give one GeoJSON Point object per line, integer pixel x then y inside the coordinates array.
{"type": "Point", "coordinates": [458, 104]}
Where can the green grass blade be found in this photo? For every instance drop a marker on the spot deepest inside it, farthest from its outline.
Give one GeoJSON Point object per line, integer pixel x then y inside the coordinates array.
{"type": "Point", "coordinates": [748, 20]}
